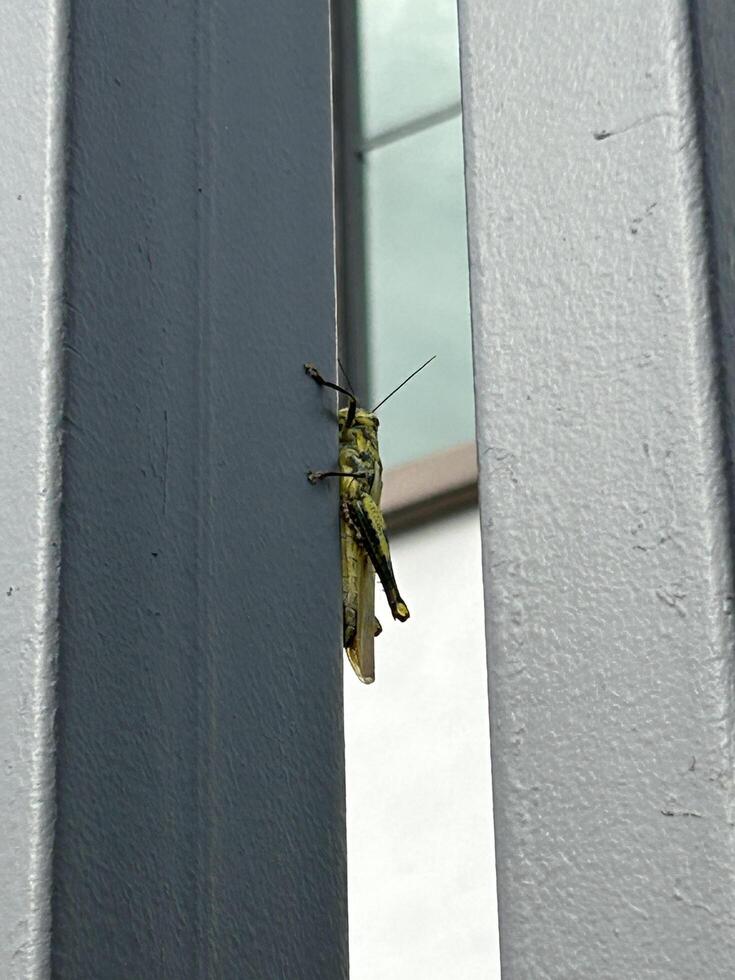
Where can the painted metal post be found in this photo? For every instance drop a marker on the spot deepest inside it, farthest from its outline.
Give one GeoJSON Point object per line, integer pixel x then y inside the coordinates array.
{"type": "Point", "coordinates": [599, 179]}
{"type": "Point", "coordinates": [199, 753]}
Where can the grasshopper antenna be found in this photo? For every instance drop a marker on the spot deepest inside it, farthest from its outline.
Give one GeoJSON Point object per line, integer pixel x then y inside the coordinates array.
{"type": "Point", "coordinates": [347, 378]}
{"type": "Point", "coordinates": [403, 383]}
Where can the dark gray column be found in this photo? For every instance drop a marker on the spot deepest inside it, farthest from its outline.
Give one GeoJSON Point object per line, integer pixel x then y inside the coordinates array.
{"type": "Point", "coordinates": [599, 164]}
{"type": "Point", "coordinates": [200, 777]}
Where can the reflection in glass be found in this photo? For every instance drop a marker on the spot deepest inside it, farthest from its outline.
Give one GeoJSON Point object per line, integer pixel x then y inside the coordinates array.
{"type": "Point", "coordinates": [418, 293]}
{"type": "Point", "coordinates": [409, 59]}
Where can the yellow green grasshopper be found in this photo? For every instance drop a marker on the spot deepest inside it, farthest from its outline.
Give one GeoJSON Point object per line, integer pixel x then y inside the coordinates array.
{"type": "Point", "coordinates": [365, 548]}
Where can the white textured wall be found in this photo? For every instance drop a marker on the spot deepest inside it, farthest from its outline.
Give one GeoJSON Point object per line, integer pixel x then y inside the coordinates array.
{"type": "Point", "coordinates": [31, 141]}
{"type": "Point", "coordinates": [604, 493]}
{"type": "Point", "coordinates": [421, 877]}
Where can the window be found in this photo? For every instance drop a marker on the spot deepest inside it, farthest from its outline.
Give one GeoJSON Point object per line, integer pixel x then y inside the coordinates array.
{"type": "Point", "coordinates": [404, 271]}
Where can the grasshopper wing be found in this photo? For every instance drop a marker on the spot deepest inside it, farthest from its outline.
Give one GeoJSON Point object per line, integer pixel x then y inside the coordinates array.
{"type": "Point", "coordinates": [361, 653]}
{"type": "Point", "coordinates": [358, 584]}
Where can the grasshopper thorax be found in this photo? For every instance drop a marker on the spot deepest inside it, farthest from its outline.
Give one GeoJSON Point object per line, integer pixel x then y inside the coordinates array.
{"type": "Point", "coordinates": [362, 420]}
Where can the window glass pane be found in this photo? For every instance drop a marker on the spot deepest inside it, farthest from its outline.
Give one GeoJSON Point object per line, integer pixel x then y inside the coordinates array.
{"type": "Point", "coordinates": [409, 60]}
{"type": "Point", "coordinates": [418, 292]}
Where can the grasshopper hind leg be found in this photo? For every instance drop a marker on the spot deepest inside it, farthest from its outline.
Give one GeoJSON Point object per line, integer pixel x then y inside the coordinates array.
{"type": "Point", "coordinates": [350, 627]}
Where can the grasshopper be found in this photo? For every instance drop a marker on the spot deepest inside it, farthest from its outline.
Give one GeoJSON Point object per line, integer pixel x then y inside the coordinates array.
{"type": "Point", "coordinates": [365, 548]}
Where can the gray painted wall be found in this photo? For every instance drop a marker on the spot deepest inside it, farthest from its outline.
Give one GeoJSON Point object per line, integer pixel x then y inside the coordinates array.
{"type": "Point", "coordinates": [199, 766]}
{"type": "Point", "coordinates": [596, 152]}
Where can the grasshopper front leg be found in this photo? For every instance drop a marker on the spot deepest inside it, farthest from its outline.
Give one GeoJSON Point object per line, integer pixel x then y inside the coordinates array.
{"type": "Point", "coordinates": [315, 476]}
{"type": "Point", "coordinates": [352, 408]}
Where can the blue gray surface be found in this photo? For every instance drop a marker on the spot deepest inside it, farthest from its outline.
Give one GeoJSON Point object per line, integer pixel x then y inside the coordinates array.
{"type": "Point", "coordinates": [600, 197]}
{"type": "Point", "coordinates": [200, 749]}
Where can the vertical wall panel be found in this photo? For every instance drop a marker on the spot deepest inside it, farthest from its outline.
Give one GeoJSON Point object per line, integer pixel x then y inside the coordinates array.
{"type": "Point", "coordinates": [200, 757]}
{"type": "Point", "coordinates": [599, 332]}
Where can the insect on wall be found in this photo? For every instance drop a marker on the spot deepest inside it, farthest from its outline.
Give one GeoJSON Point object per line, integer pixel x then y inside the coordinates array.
{"type": "Point", "coordinates": [364, 543]}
